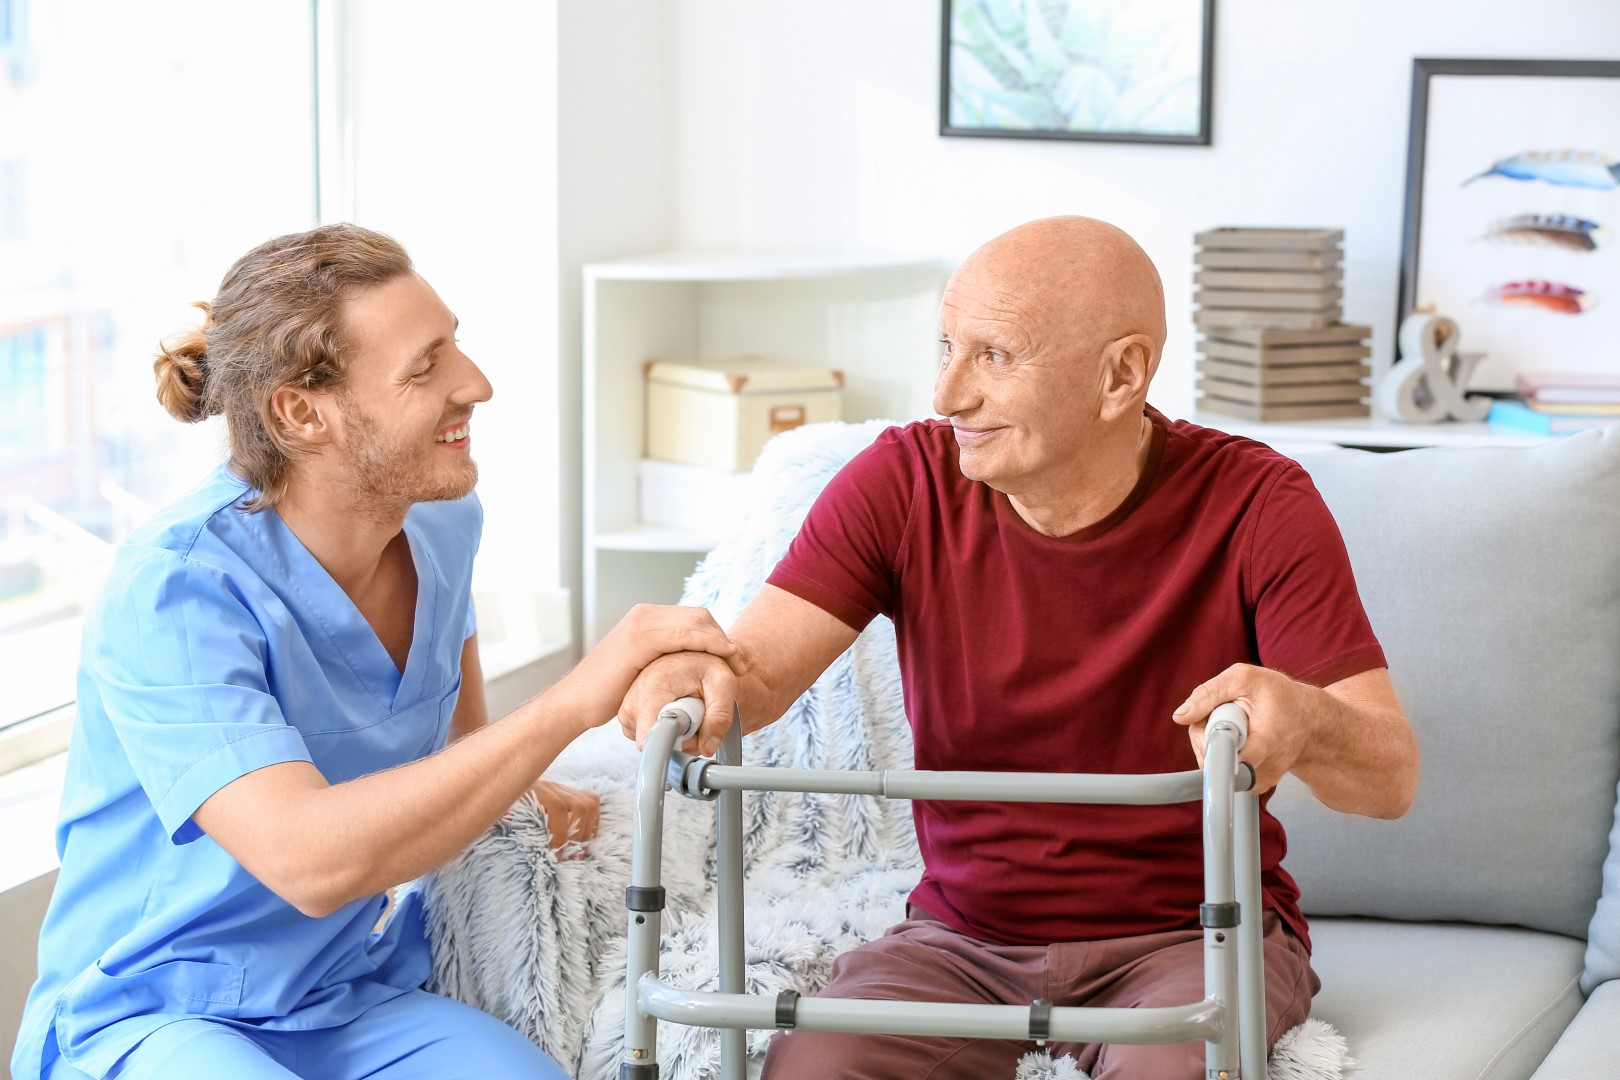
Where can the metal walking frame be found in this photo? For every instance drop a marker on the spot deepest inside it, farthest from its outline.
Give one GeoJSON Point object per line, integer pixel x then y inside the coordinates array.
{"type": "Point", "coordinates": [1231, 1018]}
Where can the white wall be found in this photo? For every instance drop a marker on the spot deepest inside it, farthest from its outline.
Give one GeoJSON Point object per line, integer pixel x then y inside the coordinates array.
{"type": "Point", "coordinates": [614, 189]}
{"type": "Point", "coordinates": [507, 147]}
{"type": "Point", "coordinates": [814, 126]}
{"type": "Point", "coordinates": [454, 125]}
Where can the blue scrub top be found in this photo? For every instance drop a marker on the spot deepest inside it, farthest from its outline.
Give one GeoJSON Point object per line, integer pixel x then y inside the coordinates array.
{"type": "Point", "coordinates": [220, 646]}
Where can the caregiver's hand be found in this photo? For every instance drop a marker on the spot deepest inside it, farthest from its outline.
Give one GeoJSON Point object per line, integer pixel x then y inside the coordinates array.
{"type": "Point", "coordinates": [593, 691]}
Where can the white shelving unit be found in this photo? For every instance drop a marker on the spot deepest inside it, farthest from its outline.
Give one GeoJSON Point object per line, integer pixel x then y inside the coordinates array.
{"type": "Point", "coordinates": [874, 318]}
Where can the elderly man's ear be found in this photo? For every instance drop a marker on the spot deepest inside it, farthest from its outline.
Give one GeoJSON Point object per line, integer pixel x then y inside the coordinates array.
{"type": "Point", "coordinates": [1126, 368]}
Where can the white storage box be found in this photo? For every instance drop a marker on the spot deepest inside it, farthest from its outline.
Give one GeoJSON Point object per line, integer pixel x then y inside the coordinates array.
{"type": "Point", "coordinates": [692, 497]}
{"type": "Point", "coordinates": [721, 413]}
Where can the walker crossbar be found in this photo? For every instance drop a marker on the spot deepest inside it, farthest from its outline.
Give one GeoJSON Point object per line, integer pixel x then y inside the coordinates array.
{"type": "Point", "coordinates": [1174, 1023]}
{"type": "Point", "coordinates": [1147, 789]}
{"type": "Point", "coordinates": [1230, 1019]}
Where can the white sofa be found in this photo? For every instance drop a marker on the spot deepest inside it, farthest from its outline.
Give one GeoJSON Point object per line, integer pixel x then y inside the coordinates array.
{"type": "Point", "coordinates": [1479, 936]}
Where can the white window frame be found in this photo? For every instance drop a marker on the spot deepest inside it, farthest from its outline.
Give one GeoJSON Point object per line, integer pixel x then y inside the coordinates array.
{"type": "Point", "coordinates": [37, 738]}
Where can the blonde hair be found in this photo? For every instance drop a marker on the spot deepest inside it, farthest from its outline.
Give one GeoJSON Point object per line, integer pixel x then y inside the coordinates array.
{"type": "Point", "coordinates": [277, 321]}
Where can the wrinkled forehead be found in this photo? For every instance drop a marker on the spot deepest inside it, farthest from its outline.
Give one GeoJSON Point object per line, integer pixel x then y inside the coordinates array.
{"type": "Point", "coordinates": [1018, 305]}
{"type": "Point", "coordinates": [979, 309]}
{"type": "Point", "coordinates": [1070, 287]}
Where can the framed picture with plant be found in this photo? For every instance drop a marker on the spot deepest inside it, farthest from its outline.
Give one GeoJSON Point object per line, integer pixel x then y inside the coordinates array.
{"type": "Point", "coordinates": [1078, 69]}
{"type": "Point", "coordinates": [1512, 211]}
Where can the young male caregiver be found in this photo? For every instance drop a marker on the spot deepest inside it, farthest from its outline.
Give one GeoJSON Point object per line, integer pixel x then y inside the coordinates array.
{"type": "Point", "coordinates": [267, 687]}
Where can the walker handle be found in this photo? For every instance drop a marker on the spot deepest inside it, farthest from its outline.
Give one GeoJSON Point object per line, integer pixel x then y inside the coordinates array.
{"type": "Point", "coordinates": [1232, 717]}
{"type": "Point", "coordinates": [688, 711]}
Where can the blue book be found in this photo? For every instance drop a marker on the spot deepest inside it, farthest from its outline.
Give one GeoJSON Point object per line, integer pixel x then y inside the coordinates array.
{"type": "Point", "coordinates": [1516, 414]}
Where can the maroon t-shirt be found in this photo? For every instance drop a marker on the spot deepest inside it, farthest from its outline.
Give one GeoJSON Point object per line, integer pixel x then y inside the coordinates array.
{"type": "Point", "coordinates": [1024, 652]}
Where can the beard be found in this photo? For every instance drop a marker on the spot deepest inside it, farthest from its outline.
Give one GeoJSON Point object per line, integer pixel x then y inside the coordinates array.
{"type": "Point", "coordinates": [389, 470]}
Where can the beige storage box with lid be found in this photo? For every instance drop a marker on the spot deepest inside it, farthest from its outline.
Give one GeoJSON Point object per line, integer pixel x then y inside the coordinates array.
{"type": "Point", "coordinates": [721, 413]}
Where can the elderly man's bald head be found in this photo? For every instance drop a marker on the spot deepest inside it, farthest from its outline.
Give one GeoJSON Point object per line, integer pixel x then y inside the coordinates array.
{"type": "Point", "coordinates": [1051, 334]}
{"type": "Point", "coordinates": [1087, 279]}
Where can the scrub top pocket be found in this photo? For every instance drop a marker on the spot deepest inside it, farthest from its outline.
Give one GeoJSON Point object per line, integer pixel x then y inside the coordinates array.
{"type": "Point", "coordinates": [141, 1001]}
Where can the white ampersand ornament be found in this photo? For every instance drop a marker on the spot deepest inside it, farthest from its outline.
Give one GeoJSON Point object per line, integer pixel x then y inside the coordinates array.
{"type": "Point", "coordinates": [1427, 384]}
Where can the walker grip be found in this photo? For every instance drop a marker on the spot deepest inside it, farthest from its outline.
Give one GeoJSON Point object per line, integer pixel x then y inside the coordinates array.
{"type": "Point", "coordinates": [688, 711]}
{"type": "Point", "coordinates": [1232, 717]}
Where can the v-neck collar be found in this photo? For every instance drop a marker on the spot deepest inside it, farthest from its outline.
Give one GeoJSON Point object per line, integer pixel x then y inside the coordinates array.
{"type": "Point", "coordinates": [351, 635]}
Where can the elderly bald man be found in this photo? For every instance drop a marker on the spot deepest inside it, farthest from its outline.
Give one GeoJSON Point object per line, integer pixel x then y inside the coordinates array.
{"type": "Point", "coordinates": [1075, 582]}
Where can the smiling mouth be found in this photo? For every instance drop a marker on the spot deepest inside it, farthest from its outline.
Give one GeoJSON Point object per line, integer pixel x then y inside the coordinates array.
{"type": "Point", "coordinates": [455, 437]}
{"type": "Point", "coordinates": [967, 436]}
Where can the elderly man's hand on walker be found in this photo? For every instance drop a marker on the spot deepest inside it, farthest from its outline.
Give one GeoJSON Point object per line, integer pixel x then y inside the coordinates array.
{"type": "Point", "coordinates": [1348, 741]}
{"type": "Point", "coordinates": [670, 678]}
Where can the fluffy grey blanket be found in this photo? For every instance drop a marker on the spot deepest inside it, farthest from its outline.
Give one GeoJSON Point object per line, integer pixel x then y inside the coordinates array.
{"type": "Point", "coordinates": [539, 942]}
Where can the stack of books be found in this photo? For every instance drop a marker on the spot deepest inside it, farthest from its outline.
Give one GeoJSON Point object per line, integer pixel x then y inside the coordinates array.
{"type": "Point", "coordinates": [1554, 404]}
{"type": "Point", "coordinates": [1269, 304]}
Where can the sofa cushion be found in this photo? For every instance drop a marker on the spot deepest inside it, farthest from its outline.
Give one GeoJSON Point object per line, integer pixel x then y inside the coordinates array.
{"type": "Point", "coordinates": [1445, 1001]}
{"type": "Point", "coordinates": [1492, 577]}
{"type": "Point", "coordinates": [1586, 1051]}
{"type": "Point", "coordinates": [1603, 939]}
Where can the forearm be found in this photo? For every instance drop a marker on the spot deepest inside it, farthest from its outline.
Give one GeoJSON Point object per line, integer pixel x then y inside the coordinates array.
{"type": "Point", "coordinates": [1361, 757]}
{"type": "Point", "coordinates": [320, 846]}
{"type": "Point", "coordinates": [783, 644]}
{"type": "Point", "coordinates": [360, 837]}
{"type": "Point", "coordinates": [763, 694]}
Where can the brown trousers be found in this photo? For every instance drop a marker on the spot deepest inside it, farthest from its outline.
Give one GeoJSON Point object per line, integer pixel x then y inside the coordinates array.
{"type": "Point", "coordinates": [923, 960]}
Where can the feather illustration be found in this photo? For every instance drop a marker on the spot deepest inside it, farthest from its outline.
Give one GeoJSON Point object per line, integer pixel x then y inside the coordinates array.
{"type": "Point", "coordinates": [1546, 295]}
{"type": "Point", "coordinates": [1562, 168]}
{"type": "Point", "coordinates": [1552, 230]}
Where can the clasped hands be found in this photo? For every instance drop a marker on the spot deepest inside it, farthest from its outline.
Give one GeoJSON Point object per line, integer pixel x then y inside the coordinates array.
{"type": "Point", "coordinates": [648, 651]}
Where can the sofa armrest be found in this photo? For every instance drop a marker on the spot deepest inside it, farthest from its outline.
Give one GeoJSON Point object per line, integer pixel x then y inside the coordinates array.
{"type": "Point", "coordinates": [1586, 1050]}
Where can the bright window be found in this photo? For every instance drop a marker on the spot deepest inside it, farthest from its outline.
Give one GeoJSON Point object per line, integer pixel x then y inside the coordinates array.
{"type": "Point", "coordinates": [143, 148]}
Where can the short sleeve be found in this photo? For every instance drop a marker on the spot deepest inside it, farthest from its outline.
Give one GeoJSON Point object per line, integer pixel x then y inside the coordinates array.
{"type": "Point", "coordinates": [1309, 623]}
{"type": "Point", "coordinates": [845, 556]}
{"type": "Point", "coordinates": [179, 662]}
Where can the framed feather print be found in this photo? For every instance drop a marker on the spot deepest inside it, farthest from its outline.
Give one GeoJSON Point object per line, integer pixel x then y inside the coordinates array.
{"type": "Point", "coordinates": [1513, 212]}
{"type": "Point", "coordinates": [1095, 70]}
